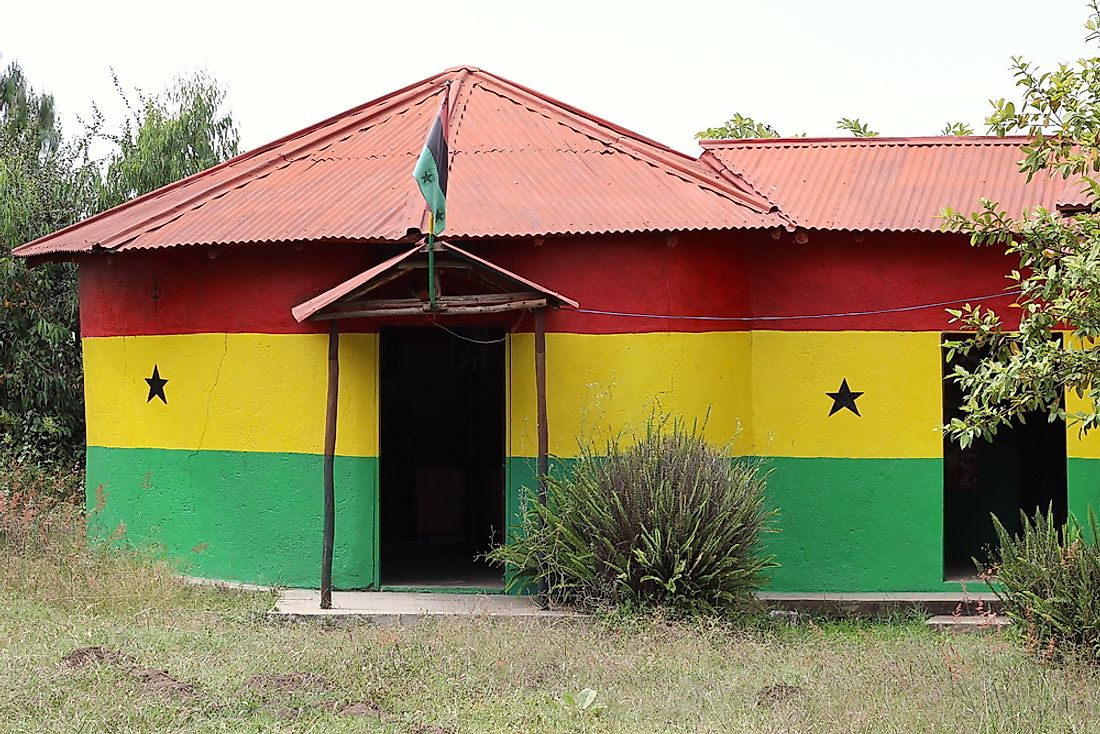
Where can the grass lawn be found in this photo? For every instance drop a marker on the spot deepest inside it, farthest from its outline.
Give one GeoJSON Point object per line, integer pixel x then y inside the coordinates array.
{"type": "Point", "coordinates": [228, 669]}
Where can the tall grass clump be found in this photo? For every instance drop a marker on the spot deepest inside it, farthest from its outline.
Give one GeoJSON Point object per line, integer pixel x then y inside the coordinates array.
{"type": "Point", "coordinates": [668, 522]}
{"type": "Point", "coordinates": [1048, 578]}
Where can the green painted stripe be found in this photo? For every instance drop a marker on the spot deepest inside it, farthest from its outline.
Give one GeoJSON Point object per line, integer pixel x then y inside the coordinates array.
{"type": "Point", "coordinates": [1083, 488]}
{"type": "Point", "coordinates": [845, 525]}
{"type": "Point", "coordinates": [241, 516]}
{"type": "Point", "coordinates": [851, 525]}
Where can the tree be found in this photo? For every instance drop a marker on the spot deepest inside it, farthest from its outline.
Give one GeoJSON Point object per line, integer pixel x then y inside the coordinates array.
{"type": "Point", "coordinates": [857, 128]}
{"type": "Point", "coordinates": [957, 129]}
{"type": "Point", "coordinates": [168, 137]}
{"type": "Point", "coordinates": [738, 127]}
{"type": "Point", "coordinates": [1054, 350]}
{"type": "Point", "coordinates": [43, 187]}
{"type": "Point", "coordinates": [48, 182]}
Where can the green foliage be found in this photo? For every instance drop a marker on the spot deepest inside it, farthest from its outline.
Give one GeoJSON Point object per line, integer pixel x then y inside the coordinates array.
{"type": "Point", "coordinates": [167, 138]}
{"type": "Point", "coordinates": [736, 128]}
{"type": "Point", "coordinates": [855, 127]}
{"type": "Point", "coordinates": [668, 522]}
{"type": "Point", "coordinates": [1058, 277]}
{"type": "Point", "coordinates": [1048, 578]}
{"type": "Point", "coordinates": [47, 183]}
{"type": "Point", "coordinates": [957, 128]}
{"type": "Point", "coordinates": [44, 186]}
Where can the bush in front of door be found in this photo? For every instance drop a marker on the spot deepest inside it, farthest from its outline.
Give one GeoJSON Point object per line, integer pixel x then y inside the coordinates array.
{"type": "Point", "coordinates": [668, 521]}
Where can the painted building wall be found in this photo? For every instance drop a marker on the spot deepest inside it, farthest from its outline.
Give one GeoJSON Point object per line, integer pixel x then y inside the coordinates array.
{"type": "Point", "coordinates": [224, 471]}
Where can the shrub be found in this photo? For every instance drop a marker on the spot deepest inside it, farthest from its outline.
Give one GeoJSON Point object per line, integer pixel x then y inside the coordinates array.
{"type": "Point", "coordinates": [1048, 578]}
{"type": "Point", "coordinates": [669, 522]}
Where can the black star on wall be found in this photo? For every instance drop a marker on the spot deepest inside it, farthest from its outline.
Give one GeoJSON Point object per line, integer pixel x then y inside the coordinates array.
{"type": "Point", "coordinates": [156, 386]}
{"type": "Point", "coordinates": [844, 398]}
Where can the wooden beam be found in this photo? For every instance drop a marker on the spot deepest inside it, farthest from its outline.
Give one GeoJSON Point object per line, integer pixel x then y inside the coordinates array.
{"type": "Point", "coordinates": [424, 310]}
{"type": "Point", "coordinates": [328, 532]}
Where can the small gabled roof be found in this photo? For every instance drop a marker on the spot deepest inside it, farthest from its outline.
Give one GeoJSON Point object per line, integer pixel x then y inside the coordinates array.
{"type": "Point", "coordinates": [522, 164]}
{"type": "Point", "coordinates": [889, 184]}
{"type": "Point", "coordinates": [514, 292]}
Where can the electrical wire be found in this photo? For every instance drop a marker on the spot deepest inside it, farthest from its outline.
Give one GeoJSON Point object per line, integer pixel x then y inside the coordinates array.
{"type": "Point", "coordinates": [456, 335]}
{"type": "Point", "coordinates": [900, 309]}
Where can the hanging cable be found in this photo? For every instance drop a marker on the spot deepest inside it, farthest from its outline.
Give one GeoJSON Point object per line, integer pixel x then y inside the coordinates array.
{"type": "Point", "coordinates": [876, 312]}
{"type": "Point", "coordinates": [456, 335]}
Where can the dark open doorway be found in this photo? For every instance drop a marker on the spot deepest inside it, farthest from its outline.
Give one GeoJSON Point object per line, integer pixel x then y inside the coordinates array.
{"type": "Point", "coordinates": [441, 456]}
{"type": "Point", "coordinates": [1022, 468]}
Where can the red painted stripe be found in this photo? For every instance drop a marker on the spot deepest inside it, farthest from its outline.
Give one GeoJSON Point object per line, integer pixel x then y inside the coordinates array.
{"type": "Point", "coordinates": [252, 288]}
{"type": "Point", "coordinates": [837, 272]}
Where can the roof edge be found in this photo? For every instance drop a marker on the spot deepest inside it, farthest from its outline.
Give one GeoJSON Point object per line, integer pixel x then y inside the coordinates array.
{"type": "Point", "coordinates": [710, 143]}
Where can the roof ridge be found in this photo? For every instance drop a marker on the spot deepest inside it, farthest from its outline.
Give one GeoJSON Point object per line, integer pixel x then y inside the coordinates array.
{"type": "Point", "coordinates": [682, 164]}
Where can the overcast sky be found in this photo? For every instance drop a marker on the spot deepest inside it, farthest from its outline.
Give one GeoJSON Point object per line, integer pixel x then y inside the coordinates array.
{"type": "Point", "coordinates": [663, 69]}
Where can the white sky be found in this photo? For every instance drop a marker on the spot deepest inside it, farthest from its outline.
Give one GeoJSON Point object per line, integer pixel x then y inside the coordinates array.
{"type": "Point", "coordinates": [663, 69]}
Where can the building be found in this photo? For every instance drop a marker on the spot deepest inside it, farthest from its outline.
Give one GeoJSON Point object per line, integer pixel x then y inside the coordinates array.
{"type": "Point", "coordinates": [793, 291]}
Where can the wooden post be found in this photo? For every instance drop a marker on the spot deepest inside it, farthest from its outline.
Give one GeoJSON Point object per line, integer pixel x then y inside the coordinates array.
{"type": "Point", "coordinates": [543, 433]}
{"type": "Point", "coordinates": [330, 461]}
{"type": "Point", "coordinates": [540, 393]}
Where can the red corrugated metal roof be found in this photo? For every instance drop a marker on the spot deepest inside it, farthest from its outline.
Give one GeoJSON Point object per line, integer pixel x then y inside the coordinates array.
{"type": "Point", "coordinates": [522, 164]}
{"type": "Point", "coordinates": [887, 184]}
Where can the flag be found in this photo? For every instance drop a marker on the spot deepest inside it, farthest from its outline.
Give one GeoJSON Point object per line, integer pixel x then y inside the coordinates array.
{"type": "Point", "coordinates": [430, 171]}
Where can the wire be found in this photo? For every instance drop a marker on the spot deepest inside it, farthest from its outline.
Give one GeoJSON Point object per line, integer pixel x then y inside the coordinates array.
{"type": "Point", "coordinates": [456, 335]}
{"type": "Point", "coordinates": [875, 312]}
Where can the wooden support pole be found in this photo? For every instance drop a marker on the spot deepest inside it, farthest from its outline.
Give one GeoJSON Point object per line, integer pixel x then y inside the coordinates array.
{"type": "Point", "coordinates": [543, 433]}
{"type": "Point", "coordinates": [330, 462]}
{"type": "Point", "coordinates": [540, 399]}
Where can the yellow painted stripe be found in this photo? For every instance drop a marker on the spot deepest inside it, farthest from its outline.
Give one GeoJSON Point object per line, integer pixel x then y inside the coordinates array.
{"type": "Point", "coordinates": [899, 374]}
{"type": "Point", "coordinates": [232, 392]}
{"type": "Point", "coordinates": [599, 385]}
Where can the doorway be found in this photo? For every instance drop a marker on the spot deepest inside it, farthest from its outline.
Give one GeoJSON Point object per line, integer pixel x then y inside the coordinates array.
{"type": "Point", "coordinates": [441, 467]}
{"type": "Point", "coordinates": [1022, 468]}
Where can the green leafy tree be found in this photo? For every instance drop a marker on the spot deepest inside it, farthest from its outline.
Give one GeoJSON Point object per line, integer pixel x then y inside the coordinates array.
{"type": "Point", "coordinates": [736, 128]}
{"type": "Point", "coordinates": [957, 128]}
{"type": "Point", "coordinates": [1054, 350]}
{"type": "Point", "coordinates": [43, 187]}
{"type": "Point", "coordinates": [856, 127]}
{"type": "Point", "coordinates": [168, 137]}
{"type": "Point", "coordinates": [48, 182]}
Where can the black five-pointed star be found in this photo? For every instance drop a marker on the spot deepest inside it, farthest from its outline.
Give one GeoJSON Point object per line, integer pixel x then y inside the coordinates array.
{"type": "Point", "coordinates": [427, 177]}
{"type": "Point", "coordinates": [156, 386]}
{"type": "Point", "coordinates": [844, 398]}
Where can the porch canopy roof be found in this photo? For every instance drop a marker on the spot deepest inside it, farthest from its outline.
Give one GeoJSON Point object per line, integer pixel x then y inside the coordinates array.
{"type": "Point", "coordinates": [482, 287]}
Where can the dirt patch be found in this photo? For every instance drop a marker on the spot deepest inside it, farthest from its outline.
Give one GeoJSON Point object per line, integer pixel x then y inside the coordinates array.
{"type": "Point", "coordinates": [159, 681]}
{"type": "Point", "coordinates": [87, 655]}
{"type": "Point", "coordinates": [360, 708]}
{"type": "Point", "coordinates": [429, 729]}
{"type": "Point", "coordinates": [777, 694]}
{"type": "Point", "coordinates": [287, 682]}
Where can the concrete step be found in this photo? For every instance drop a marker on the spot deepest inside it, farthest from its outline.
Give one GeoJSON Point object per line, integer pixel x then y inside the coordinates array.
{"type": "Point", "coordinates": [397, 606]}
{"type": "Point", "coordinates": [880, 603]}
{"type": "Point", "coordinates": [968, 624]}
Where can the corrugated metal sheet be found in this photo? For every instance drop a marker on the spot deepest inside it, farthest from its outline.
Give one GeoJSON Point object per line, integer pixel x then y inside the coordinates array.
{"type": "Point", "coordinates": [887, 184]}
{"type": "Point", "coordinates": [523, 164]}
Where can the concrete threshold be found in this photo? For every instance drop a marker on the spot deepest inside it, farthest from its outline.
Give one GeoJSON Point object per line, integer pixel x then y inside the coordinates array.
{"type": "Point", "coordinates": [400, 606]}
{"type": "Point", "coordinates": [878, 603]}
{"type": "Point", "coordinates": [968, 624]}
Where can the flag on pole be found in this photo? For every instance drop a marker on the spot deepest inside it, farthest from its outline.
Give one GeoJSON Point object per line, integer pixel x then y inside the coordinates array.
{"type": "Point", "coordinates": [430, 171]}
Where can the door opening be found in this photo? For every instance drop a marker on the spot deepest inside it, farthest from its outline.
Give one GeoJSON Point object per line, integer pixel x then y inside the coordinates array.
{"type": "Point", "coordinates": [441, 456]}
{"type": "Point", "coordinates": [1022, 468]}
